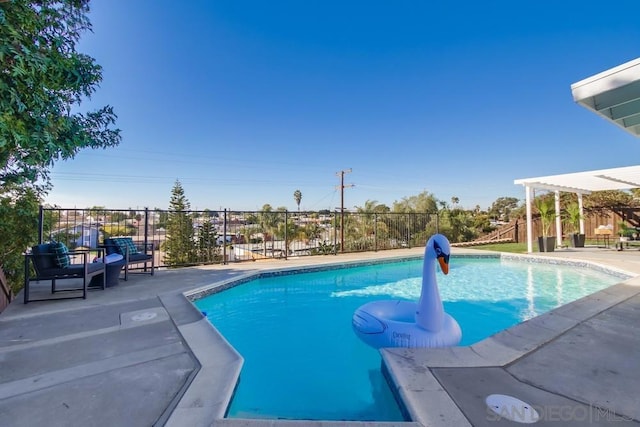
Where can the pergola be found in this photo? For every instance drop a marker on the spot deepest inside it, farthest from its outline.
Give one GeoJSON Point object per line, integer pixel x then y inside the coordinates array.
{"type": "Point", "coordinates": [580, 183]}
{"type": "Point", "coordinates": [614, 95]}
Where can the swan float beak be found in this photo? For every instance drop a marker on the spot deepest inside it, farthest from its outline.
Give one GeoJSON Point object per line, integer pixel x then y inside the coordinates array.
{"type": "Point", "coordinates": [444, 263]}
{"type": "Point", "coordinates": [442, 257]}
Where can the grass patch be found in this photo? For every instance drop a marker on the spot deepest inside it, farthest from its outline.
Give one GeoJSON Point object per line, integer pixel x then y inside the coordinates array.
{"type": "Point", "coordinates": [518, 248]}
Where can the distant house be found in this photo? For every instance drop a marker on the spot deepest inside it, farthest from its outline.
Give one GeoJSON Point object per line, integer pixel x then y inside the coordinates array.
{"type": "Point", "coordinates": [85, 235]}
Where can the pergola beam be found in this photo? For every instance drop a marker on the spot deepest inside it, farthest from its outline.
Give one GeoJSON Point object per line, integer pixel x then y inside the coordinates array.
{"type": "Point", "coordinates": [621, 181]}
{"type": "Point", "coordinates": [555, 187]}
{"type": "Point", "coordinates": [613, 94]}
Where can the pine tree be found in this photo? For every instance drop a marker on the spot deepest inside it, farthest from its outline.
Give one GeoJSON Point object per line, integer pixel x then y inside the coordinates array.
{"type": "Point", "coordinates": [179, 246]}
{"type": "Point", "coordinates": [207, 241]}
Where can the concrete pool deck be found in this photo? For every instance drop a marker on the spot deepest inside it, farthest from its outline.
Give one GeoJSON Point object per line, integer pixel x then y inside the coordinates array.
{"type": "Point", "coordinates": [140, 354]}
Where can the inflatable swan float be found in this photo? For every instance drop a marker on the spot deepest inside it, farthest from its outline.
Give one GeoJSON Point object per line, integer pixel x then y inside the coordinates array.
{"type": "Point", "coordinates": [409, 324]}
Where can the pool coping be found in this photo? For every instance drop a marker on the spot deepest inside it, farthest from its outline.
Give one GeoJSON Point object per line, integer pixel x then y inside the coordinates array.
{"type": "Point", "coordinates": [207, 398]}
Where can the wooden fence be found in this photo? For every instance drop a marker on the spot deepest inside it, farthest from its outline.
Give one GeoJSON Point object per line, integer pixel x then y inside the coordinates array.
{"type": "Point", "coordinates": [516, 230]}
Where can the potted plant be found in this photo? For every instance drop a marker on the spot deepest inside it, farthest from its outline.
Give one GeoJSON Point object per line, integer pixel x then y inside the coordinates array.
{"type": "Point", "coordinates": [572, 219]}
{"type": "Point", "coordinates": [547, 213]}
{"type": "Point", "coordinates": [625, 231]}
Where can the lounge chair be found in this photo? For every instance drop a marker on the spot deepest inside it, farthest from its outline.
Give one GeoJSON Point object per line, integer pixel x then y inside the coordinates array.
{"type": "Point", "coordinates": [132, 253]}
{"type": "Point", "coordinates": [52, 261]}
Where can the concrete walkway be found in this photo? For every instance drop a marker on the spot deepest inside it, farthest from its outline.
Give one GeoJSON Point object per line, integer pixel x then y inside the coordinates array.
{"type": "Point", "coordinates": [139, 354]}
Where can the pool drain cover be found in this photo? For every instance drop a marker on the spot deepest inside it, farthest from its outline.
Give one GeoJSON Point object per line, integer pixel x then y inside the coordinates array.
{"type": "Point", "coordinates": [512, 409]}
{"type": "Point", "coordinates": [141, 317]}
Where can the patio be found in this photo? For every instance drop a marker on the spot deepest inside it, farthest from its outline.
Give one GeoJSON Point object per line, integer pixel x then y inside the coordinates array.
{"type": "Point", "coordinates": [139, 354]}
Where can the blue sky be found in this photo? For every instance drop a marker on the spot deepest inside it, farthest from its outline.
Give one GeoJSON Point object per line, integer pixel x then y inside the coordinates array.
{"type": "Point", "coordinates": [246, 101]}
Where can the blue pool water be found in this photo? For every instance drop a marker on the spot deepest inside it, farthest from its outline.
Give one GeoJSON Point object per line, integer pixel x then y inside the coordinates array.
{"type": "Point", "coordinates": [302, 359]}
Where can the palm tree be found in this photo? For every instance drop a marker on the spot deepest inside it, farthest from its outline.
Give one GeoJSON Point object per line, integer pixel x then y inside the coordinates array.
{"type": "Point", "coordinates": [297, 196]}
{"type": "Point", "coordinates": [268, 221]}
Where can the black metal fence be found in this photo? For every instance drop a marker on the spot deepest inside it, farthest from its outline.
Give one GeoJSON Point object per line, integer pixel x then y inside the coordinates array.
{"type": "Point", "coordinates": [205, 237]}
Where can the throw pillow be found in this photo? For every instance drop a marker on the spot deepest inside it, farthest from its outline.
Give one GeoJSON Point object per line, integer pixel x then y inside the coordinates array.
{"type": "Point", "coordinates": [61, 254]}
{"type": "Point", "coordinates": [115, 246]}
{"type": "Point", "coordinates": [124, 244]}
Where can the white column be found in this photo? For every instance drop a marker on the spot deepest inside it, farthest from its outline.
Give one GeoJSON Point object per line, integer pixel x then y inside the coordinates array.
{"type": "Point", "coordinates": [558, 221]}
{"type": "Point", "coordinates": [581, 213]}
{"type": "Point", "coordinates": [527, 202]}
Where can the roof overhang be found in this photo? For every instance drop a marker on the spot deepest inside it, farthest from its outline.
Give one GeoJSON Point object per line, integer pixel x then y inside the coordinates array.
{"type": "Point", "coordinates": [624, 178]}
{"type": "Point", "coordinates": [613, 94]}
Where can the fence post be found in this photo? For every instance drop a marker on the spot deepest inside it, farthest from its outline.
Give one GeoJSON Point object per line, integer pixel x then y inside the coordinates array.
{"type": "Point", "coordinates": [286, 235]}
{"type": "Point", "coordinates": [224, 237]}
{"type": "Point", "coordinates": [41, 224]}
{"type": "Point", "coordinates": [335, 233]}
{"type": "Point", "coordinates": [375, 232]}
{"type": "Point", "coordinates": [146, 233]}
{"type": "Point", "coordinates": [437, 221]}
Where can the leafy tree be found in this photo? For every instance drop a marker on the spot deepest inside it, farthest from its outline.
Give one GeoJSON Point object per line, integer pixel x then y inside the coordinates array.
{"type": "Point", "coordinates": [502, 207]}
{"type": "Point", "coordinates": [251, 218]}
{"type": "Point", "coordinates": [96, 211]}
{"type": "Point", "coordinates": [369, 225]}
{"type": "Point", "coordinates": [423, 202]}
{"type": "Point", "coordinates": [313, 231]}
{"type": "Point", "coordinates": [179, 246]}
{"type": "Point", "coordinates": [18, 230]}
{"type": "Point", "coordinates": [372, 206]}
{"type": "Point", "coordinates": [297, 196]}
{"type": "Point", "coordinates": [43, 78]}
{"type": "Point", "coordinates": [481, 222]}
{"type": "Point", "coordinates": [292, 230]}
{"type": "Point", "coordinates": [110, 230]}
{"type": "Point", "coordinates": [67, 236]}
{"type": "Point", "coordinates": [460, 226]}
{"type": "Point", "coordinates": [607, 200]}
{"type": "Point", "coordinates": [247, 232]}
{"type": "Point", "coordinates": [52, 219]}
{"type": "Point", "coordinates": [414, 227]}
{"type": "Point", "coordinates": [118, 216]}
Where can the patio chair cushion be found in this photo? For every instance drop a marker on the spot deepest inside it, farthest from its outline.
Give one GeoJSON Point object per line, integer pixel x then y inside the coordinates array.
{"type": "Point", "coordinates": [73, 270]}
{"type": "Point", "coordinates": [61, 254]}
{"type": "Point", "coordinates": [123, 244]}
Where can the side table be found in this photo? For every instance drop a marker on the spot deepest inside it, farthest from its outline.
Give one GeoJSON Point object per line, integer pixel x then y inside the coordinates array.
{"type": "Point", "coordinates": [112, 271]}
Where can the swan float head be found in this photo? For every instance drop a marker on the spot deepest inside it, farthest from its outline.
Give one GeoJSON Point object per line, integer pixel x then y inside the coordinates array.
{"type": "Point", "coordinates": [430, 313]}
{"type": "Point", "coordinates": [438, 248]}
{"type": "Point", "coordinates": [397, 323]}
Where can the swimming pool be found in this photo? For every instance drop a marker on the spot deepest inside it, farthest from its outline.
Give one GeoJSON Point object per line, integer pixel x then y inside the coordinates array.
{"type": "Point", "coordinates": [302, 359]}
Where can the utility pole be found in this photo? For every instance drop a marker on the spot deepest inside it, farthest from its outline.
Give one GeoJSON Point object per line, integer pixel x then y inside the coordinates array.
{"type": "Point", "coordinates": [342, 186]}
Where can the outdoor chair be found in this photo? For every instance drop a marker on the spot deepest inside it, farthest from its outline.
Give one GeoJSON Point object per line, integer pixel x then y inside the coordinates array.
{"type": "Point", "coordinates": [132, 253]}
{"type": "Point", "coordinates": [52, 261]}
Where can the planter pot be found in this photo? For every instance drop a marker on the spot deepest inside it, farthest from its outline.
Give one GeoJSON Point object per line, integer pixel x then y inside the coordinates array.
{"type": "Point", "coordinates": [546, 244]}
{"type": "Point", "coordinates": [577, 240]}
